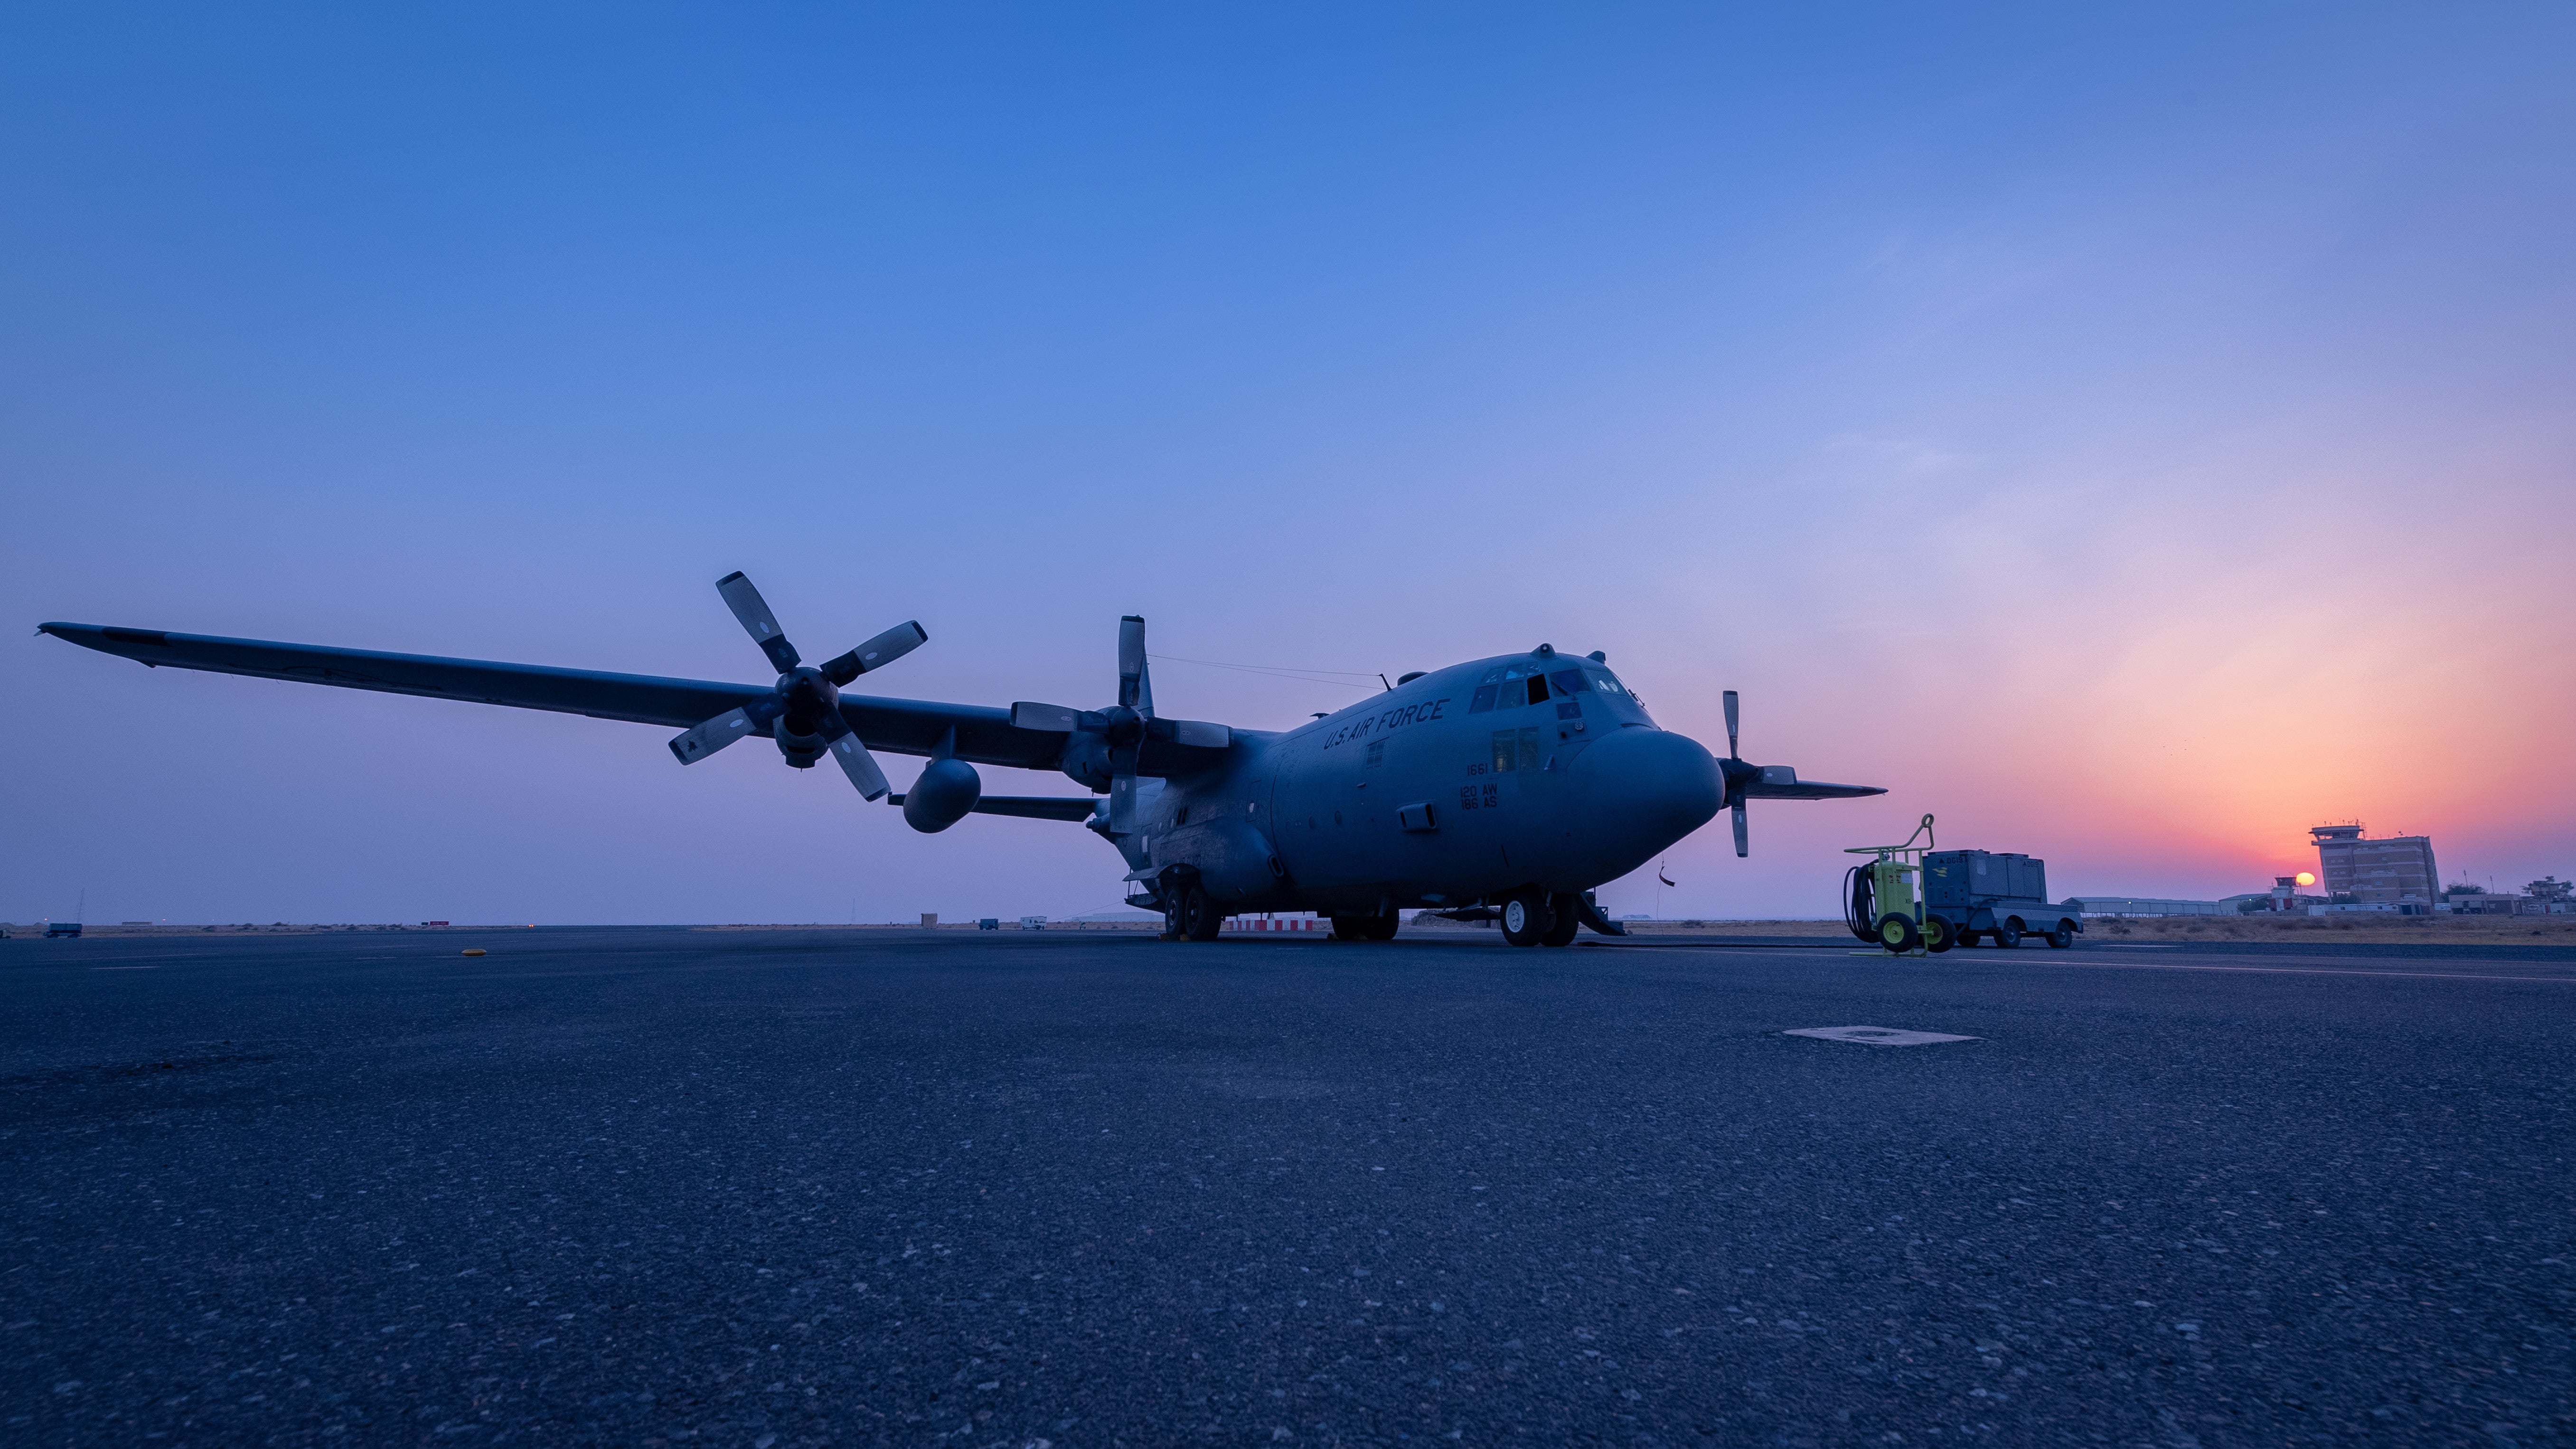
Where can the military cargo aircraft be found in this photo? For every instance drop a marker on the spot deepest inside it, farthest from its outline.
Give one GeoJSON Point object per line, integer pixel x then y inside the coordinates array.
{"type": "Point", "coordinates": [1503, 789]}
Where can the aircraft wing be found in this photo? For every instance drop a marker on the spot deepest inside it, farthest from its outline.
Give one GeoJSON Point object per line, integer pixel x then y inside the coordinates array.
{"type": "Point", "coordinates": [985, 736]}
{"type": "Point", "coordinates": [1030, 807]}
{"type": "Point", "coordinates": [1805, 790]}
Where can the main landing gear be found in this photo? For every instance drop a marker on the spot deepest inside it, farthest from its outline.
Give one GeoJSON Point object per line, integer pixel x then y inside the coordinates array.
{"type": "Point", "coordinates": [1364, 928]}
{"type": "Point", "coordinates": [1191, 914]}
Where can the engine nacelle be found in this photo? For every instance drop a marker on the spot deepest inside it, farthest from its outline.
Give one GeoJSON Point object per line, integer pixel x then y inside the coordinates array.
{"type": "Point", "coordinates": [801, 750]}
{"type": "Point", "coordinates": [1086, 762]}
{"type": "Point", "coordinates": [811, 700]}
{"type": "Point", "coordinates": [946, 791]}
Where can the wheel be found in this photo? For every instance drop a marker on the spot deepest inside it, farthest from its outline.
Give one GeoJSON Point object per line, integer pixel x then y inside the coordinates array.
{"type": "Point", "coordinates": [2008, 935]}
{"type": "Point", "coordinates": [1936, 935]}
{"type": "Point", "coordinates": [1968, 938]}
{"type": "Point", "coordinates": [1526, 920]}
{"type": "Point", "coordinates": [1350, 928]}
{"type": "Point", "coordinates": [1899, 933]}
{"type": "Point", "coordinates": [1200, 918]}
{"type": "Point", "coordinates": [1173, 926]}
{"type": "Point", "coordinates": [1379, 928]}
{"type": "Point", "coordinates": [2062, 937]}
{"type": "Point", "coordinates": [1568, 920]}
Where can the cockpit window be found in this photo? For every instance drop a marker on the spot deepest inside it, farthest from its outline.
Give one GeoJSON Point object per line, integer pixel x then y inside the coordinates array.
{"type": "Point", "coordinates": [1506, 686]}
{"type": "Point", "coordinates": [1624, 704]}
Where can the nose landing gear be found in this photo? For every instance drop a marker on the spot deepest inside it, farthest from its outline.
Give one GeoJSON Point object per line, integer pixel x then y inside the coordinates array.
{"type": "Point", "coordinates": [1535, 918]}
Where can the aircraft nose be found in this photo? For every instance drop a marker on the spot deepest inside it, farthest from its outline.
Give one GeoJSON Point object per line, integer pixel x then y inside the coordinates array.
{"type": "Point", "coordinates": [1651, 786]}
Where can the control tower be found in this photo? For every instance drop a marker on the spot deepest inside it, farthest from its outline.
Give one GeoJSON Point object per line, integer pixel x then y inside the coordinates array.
{"type": "Point", "coordinates": [2386, 871]}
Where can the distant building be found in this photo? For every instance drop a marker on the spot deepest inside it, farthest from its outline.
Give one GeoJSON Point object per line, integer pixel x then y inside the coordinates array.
{"type": "Point", "coordinates": [2548, 896]}
{"type": "Point", "coordinates": [2149, 906]}
{"type": "Point", "coordinates": [2283, 896]}
{"type": "Point", "coordinates": [2394, 870]}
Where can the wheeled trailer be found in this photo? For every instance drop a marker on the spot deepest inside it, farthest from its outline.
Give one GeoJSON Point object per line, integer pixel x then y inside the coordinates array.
{"type": "Point", "coordinates": [1996, 896]}
{"type": "Point", "coordinates": [1965, 896]}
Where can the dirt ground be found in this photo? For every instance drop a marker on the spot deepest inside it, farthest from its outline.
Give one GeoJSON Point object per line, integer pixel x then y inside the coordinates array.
{"type": "Point", "coordinates": [2427, 930]}
{"type": "Point", "coordinates": [2464, 930]}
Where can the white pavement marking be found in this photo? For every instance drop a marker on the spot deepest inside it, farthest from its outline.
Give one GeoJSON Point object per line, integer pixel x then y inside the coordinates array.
{"type": "Point", "coordinates": [1876, 1035]}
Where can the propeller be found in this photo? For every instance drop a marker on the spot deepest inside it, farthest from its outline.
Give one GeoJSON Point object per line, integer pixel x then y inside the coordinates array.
{"type": "Point", "coordinates": [1123, 728]}
{"type": "Point", "coordinates": [804, 712]}
{"type": "Point", "coordinates": [1735, 761]}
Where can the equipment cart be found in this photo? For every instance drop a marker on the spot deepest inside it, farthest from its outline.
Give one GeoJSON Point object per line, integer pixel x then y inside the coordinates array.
{"type": "Point", "coordinates": [1966, 896]}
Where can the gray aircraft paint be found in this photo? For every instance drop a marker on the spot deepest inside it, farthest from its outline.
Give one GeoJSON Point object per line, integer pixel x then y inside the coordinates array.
{"type": "Point", "coordinates": [1536, 772]}
{"type": "Point", "coordinates": [1592, 790]}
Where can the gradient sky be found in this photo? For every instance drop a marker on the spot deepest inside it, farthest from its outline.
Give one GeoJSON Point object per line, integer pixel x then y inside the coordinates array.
{"type": "Point", "coordinates": [2134, 437]}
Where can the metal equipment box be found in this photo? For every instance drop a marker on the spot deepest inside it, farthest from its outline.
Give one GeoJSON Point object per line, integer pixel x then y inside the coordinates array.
{"type": "Point", "coordinates": [1977, 877]}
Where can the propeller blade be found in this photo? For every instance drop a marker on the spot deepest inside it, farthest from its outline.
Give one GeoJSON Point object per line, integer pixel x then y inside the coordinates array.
{"type": "Point", "coordinates": [1200, 733]}
{"type": "Point", "coordinates": [1731, 751]}
{"type": "Point", "coordinates": [1122, 804]}
{"type": "Point", "coordinates": [1743, 842]}
{"type": "Point", "coordinates": [1135, 691]}
{"type": "Point", "coordinates": [1052, 717]}
{"type": "Point", "coordinates": [753, 611]}
{"type": "Point", "coordinates": [714, 735]}
{"type": "Point", "coordinates": [877, 653]}
{"type": "Point", "coordinates": [855, 760]}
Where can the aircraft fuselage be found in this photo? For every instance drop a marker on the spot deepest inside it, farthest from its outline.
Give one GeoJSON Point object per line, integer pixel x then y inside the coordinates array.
{"type": "Point", "coordinates": [1536, 771]}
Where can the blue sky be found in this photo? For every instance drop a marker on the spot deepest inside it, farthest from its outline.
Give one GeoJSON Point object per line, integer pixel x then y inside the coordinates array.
{"type": "Point", "coordinates": [2134, 437]}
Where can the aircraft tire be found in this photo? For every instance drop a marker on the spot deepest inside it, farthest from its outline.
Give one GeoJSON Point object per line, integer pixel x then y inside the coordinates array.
{"type": "Point", "coordinates": [1566, 920]}
{"type": "Point", "coordinates": [1351, 928]}
{"type": "Point", "coordinates": [1172, 918]}
{"type": "Point", "coordinates": [1379, 928]}
{"type": "Point", "coordinates": [1201, 920]}
{"type": "Point", "coordinates": [1899, 933]}
{"type": "Point", "coordinates": [1526, 919]}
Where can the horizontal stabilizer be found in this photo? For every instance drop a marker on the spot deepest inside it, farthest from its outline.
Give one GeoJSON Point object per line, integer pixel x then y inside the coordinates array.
{"type": "Point", "coordinates": [1029, 807]}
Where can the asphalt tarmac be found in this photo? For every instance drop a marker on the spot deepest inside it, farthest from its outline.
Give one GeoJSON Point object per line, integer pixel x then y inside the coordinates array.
{"type": "Point", "coordinates": [780, 1188]}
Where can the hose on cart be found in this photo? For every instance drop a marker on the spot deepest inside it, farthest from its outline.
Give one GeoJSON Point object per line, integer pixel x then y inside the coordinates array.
{"type": "Point", "coordinates": [1860, 901]}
